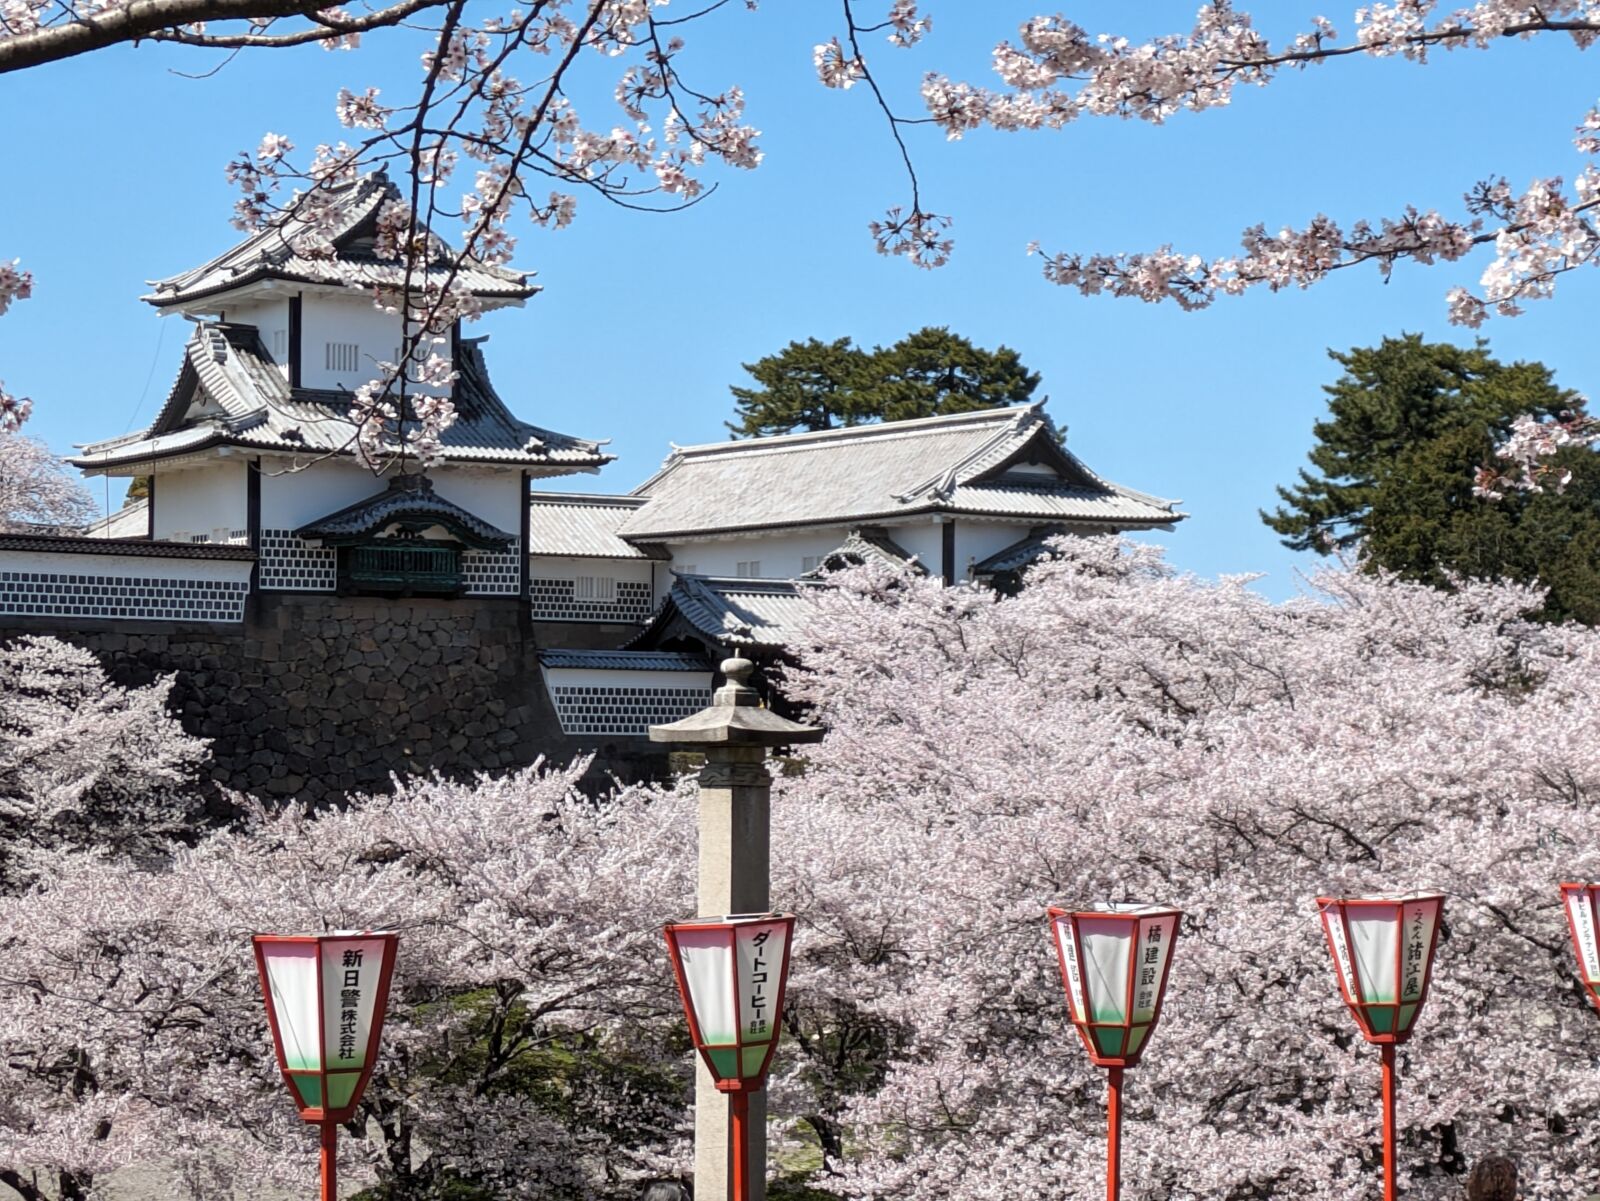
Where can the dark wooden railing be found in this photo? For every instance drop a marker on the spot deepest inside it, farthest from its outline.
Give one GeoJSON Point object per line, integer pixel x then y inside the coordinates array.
{"type": "Point", "coordinates": [405, 568]}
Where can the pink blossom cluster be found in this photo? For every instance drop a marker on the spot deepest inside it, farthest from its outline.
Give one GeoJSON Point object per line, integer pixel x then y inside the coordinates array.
{"type": "Point", "coordinates": [529, 922]}
{"type": "Point", "coordinates": [15, 284]}
{"type": "Point", "coordinates": [1524, 456]}
{"type": "Point", "coordinates": [1057, 72]}
{"type": "Point", "coordinates": [86, 767]}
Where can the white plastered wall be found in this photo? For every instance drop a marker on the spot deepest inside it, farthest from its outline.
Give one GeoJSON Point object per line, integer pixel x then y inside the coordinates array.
{"type": "Point", "coordinates": [197, 570]}
{"type": "Point", "coordinates": [632, 571]}
{"type": "Point", "coordinates": [497, 496]}
{"type": "Point", "coordinates": [781, 555]}
{"type": "Point", "coordinates": [348, 320]}
{"type": "Point", "coordinates": [976, 541]}
{"type": "Point", "coordinates": [271, 319]}
{"type": "Point", "coordinates": [202, 500]}
{"type": "Point", "coordinates": [290, 499]}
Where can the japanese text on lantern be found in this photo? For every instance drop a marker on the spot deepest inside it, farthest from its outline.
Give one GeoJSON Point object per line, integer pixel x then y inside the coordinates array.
{"type": "Point", "coordinates": [758, 984]}
{"type": "Point", "coordinates": [1069, 960]}
{"type": "Point", "coordinates": [1416, 952]}
{"type": "Point", "coordinates": [1334, 921]}
{"type": "Point", "coordinates": [1149, 970]}
{"type": "Point", "coordinates": [349, 1003]}
{"type": "Point", "coordinates": [1579, 907]}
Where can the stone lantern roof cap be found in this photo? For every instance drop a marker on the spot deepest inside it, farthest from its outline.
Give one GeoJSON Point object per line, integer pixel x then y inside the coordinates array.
{"type": "Point", "coordinates": [736, 718]}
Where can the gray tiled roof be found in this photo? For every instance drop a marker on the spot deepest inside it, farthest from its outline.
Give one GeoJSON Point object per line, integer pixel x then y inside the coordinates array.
{"type": "Point", "coordinates": [407, 497]}
{"type": "Point", "coordinates": [572, 525]}
{"type": "Point", "coordinates": [957, 464]}
{"type": "Point", "coordinates": [276, 252]}
{"type": "Point", "coordinates": [137, 547]}
{"type": "Point", "coordinates": [250, 404]}
{"type": "Point", "coordinates": [735, 612]}
{"type": "Point", "coordinates": [624, 660]}
{"type": "Point", "coordinates": [130, 521]}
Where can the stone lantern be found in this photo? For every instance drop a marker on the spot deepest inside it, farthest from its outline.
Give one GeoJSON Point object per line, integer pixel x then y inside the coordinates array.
{"type": "Point", "coordinates": [735, 734]}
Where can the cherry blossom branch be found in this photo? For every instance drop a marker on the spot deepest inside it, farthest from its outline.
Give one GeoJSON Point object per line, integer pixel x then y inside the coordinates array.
{"type": "Point", "coordinates": [325, 25]}
{"type": "Point", "coordinates": [139, 19]}
{"type": "Point", "coordinates": [919, 236]}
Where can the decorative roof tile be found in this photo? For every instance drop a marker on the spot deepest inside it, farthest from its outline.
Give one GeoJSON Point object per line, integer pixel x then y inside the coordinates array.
{"type": "Point", "coordinates": [573, 525]}
{"type": "Point", "coordinates": [409, 498]}
{"type": "Point", "coordinates": [875, 473]}
{"type": "Point", "coordinates": [868, 545]}
{"type": "Point", "coordinates": [279, 252]}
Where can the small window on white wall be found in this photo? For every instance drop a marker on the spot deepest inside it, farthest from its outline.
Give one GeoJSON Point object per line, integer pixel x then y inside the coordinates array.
{"type": "Point", "coordinates": [280, 346]}
{"type": "Point", "coordinates": [595, 588]}
{"type": "Point", "coordinates": [342, 356]}
{"type": "Point", "coordinates": [747, 568]}
{"type": "Point", "coordinates": [810, 563]}
{"type": "Point", "coordinates": [686, 569]}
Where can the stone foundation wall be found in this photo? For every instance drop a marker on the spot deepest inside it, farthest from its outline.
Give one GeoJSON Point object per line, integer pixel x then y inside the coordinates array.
{"type": "Point", "coordinates": [316, 696]}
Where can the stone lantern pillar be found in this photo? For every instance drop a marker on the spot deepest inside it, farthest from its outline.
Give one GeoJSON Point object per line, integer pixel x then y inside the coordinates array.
{"type": "Point", "coordinates": [735, 734]}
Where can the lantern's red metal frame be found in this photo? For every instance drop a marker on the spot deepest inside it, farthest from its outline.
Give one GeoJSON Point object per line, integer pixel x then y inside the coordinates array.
{"type": "Point", "coordinates": [1590, 894]}
{"type": "Point", "coordinates": [732, 923]}
{"type": "Point", "coordinates": [320, 1114]}
{"type": "Point", "coordinates": [1386, 1042]}
{"type": "Point", "coordinates": [1113, 1064]}
{"type": "Point", "coordinates": [1088, 1025]}
{"type": "Point", "coordinates": [1358, 1007]}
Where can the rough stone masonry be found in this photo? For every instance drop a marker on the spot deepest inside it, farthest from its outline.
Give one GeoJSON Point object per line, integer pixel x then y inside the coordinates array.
{"type": "Point", "coordinates": [317, 696]}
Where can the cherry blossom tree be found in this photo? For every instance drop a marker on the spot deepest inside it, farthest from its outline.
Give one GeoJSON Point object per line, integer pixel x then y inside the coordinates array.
{"type": "Point", "coordinates": [1116, 731]}
{"type": "Point", "coordinates": [1120, 732]}
{"type": "Point", "coordinates": [85, 764]}
{"type": "Point", "coordinates": [532, 1048]}
{"type": "Point", "coordinates": [35, 489]}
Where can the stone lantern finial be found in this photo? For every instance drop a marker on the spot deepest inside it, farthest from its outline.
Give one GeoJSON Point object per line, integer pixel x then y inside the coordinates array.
{"type": "Point", "coordinates": [735, 717]}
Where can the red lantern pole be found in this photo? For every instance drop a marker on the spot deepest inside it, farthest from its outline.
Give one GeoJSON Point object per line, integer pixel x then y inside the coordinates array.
{"type": "Point", "coordinates": [1113, 1134]}
{"type": "Point", "coordinates": [330, 1161]}
{"type": "Point", "coordinates": [739, 1135]}
{"type": "Point", "coordinates": [1388, 1122]}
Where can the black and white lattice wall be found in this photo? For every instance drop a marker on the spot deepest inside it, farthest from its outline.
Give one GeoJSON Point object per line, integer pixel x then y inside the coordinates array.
{"type": "Point", "coordinates": [134, 597]}
{"type": "Point", "coordinates": [624, 711]}
{"type": "Point", "coordinates": [289, 565]}
{"type": "Point", "coordinates": [557, 600]}
{"type": "Point", "coordinates": [492, 573]}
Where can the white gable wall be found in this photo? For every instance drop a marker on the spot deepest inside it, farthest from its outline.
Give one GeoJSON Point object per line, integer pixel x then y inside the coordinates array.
{"type": "Point", "coordinates": [271, 318]}
{"type": "Point", "coordinates": [202, 500]}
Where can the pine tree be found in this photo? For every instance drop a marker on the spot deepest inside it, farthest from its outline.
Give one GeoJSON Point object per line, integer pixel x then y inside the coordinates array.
{"type": "Point", "coordinates": [815, 385]}
{"type": "Point", "coordinates": [1408, 423]}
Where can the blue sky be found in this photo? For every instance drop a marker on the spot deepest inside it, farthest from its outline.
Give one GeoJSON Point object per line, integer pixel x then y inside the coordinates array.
{"type": "Point", "coordinates": [114, 175]}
